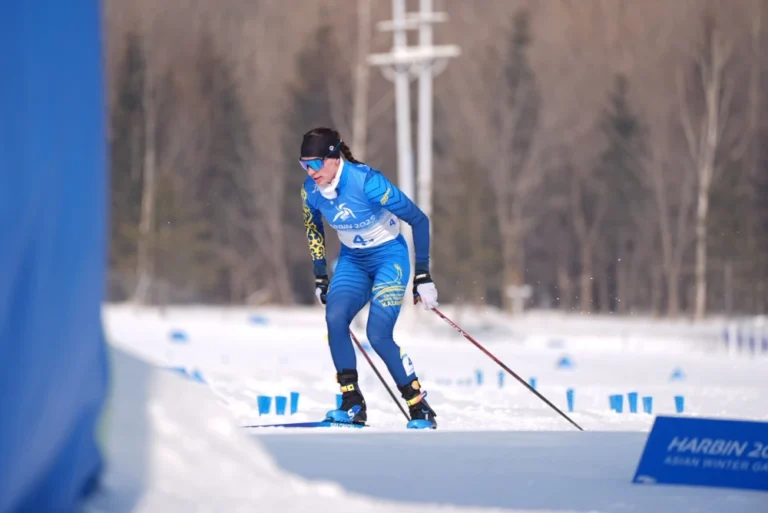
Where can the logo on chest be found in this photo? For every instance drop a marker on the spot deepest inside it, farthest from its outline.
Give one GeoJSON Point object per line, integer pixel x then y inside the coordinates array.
{"type": "Point", "coordinates": [343, 212]}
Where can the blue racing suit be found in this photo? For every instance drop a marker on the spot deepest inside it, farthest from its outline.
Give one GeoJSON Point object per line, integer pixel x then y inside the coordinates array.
{"type": "Point", "coordinates": [374, 263]}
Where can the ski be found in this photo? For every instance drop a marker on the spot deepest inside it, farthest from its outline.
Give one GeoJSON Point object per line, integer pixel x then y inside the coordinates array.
{"type": "Point", "coordinates": [322, 423]}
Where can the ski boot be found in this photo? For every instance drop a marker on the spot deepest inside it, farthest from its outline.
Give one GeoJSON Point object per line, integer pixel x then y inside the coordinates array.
{"type": "Point", "coordinates": [352, 409]}
{"type": "Point", "coordinates": [422, 415]}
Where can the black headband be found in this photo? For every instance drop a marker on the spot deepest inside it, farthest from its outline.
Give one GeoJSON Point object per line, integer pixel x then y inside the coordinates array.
{"type": "Point", "coordinates": [320, 146]}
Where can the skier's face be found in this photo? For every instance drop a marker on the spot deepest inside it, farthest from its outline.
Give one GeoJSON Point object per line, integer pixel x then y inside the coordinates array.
{"type": "Point", "coordinates": [322, 171]}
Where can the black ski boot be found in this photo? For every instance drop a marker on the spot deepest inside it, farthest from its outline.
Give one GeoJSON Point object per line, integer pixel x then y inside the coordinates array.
{"type": "Point", "coordinates": [422, 414]}
{"type": "Point", "coordinates": [352, 409]}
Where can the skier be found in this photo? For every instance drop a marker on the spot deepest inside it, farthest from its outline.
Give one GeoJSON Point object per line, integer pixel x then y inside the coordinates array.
{"type": "Point", "coordinates": [365, 209]}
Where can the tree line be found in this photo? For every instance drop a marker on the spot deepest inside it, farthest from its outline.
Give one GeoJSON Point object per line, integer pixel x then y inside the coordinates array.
{"type": "Point", "coordinates": [608, 153]}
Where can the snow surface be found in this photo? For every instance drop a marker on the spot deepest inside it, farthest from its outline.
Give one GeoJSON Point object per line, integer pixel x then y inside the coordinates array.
{"type": "Point", "coordinates": [176, 445]}
{"type": "Point", "coordinates": [171, 448]}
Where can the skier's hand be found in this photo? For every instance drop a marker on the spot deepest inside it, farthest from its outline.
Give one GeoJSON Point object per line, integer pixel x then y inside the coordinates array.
{"type": "Point", "coordinates": [424, 290]}
{"type": "Point", "coordinates": [321, 288]}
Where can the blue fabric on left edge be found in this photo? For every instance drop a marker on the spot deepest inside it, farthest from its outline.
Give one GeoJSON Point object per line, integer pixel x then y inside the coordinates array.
{"type": "Point", "coordinates": [53, 250]}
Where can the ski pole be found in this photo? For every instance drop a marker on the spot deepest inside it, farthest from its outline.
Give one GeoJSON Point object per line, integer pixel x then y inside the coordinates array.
{"type": "Point", "coordinates": [354, 339]}
{"type": "Point", "coordinates": [521, 380]}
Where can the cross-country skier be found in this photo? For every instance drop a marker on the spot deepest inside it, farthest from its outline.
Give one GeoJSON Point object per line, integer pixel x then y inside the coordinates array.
{"type": "Point", "coordinates": [365, 209]}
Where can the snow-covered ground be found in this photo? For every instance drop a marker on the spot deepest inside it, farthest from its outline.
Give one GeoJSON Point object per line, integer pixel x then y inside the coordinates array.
{"type": "Point", "coordinates": [496, 446]}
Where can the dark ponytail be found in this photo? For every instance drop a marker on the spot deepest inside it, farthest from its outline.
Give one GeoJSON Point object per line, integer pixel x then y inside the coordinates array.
{"type": "Point", "coordinates": [348, 153]}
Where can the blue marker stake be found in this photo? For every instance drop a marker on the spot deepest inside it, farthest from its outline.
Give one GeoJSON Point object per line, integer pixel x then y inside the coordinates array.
{"type": "Point", "coordinates": [648, 405]}
{"type": "Point", "coordinates": [632, 399]}
{"type": "Point", "coordinates": [617, 403]}
{"type": "Point", "coordinates": [265, 403]}
{"type": "Point", "coordinates": [280, 403]}
{"type": "Point", "coordinates": [679, 403]}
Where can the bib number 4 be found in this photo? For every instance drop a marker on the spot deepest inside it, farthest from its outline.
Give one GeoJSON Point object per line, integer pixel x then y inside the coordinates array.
{"type": "Point", "coordinates": [360, 240]}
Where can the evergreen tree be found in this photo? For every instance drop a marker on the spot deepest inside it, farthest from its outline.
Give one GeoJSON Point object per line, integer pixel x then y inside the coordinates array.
{"type": "Point", "coordinates": [225, 207]}
{"type": "Point", "coordinates": [125, 150]}
{"type": "Point", "coordinates": [318, 71]}
{"type": "Point", "coordinates": [619, 172]}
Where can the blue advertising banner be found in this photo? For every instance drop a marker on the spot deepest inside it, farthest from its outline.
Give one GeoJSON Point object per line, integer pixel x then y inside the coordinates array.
{"type": "Point", "coordinates": [705, 452]}
{"type": "Point", "coordinates": [54, 234]}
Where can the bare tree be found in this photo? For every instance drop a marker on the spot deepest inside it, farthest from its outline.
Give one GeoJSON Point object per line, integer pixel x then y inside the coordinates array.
{"type": "Point", "coordinates": [259, 176]}
{"type": "Point", "coordinates": [673, 191]}
{"type": "Point", "coordinates": [588, 208]}
{"type": "Point", "coordinates": [497, 123]}
{"type": "Point", "coordinates": [157, 28]}
{"type": "Point", "coordinates": [514, 174]}
{"type": "Point", "coordinates": [144, 261]}
{"type": "Point", "coordinates": [703, 133]}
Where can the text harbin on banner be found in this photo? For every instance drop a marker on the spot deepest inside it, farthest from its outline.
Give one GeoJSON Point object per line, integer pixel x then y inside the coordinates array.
{"type": "Point", "coordinates": [705, 452]}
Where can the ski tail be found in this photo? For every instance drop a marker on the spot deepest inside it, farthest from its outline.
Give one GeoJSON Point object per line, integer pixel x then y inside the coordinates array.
{"type": "Point", "coordinates": [322, 423]}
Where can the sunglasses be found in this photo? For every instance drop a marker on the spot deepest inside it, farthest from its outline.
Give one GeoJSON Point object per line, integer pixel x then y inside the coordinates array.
{"type": "Point", "coordinates": [317, 164]}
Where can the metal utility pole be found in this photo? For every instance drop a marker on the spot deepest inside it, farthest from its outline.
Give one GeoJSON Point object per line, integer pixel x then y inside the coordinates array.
{"type": "Point", "coordinates": [425, 115]}
{"type": "Point", "coordinates": [360, 102]}
{"type": "Point", "coordinates": [402, 103]}
{"type": "Point", "coordinates": [402, 64]}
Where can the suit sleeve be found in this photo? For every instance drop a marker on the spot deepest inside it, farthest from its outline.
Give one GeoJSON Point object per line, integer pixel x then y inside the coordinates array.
{"type": "Point", "coordinates": [313, 223]}
{"type": "Point", "coordinates": [379, 190]}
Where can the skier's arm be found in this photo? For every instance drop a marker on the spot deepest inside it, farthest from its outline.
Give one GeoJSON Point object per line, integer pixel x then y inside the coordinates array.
{"type": "Point", "coordinates": [313, 222]}
{"type": "Point", "coordinates": [378, 189]}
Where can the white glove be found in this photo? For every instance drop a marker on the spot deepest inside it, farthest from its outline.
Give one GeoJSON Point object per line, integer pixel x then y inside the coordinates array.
{"type": "Point", "coordinates": [318, 295]}
{"type": "Point", "coordinates": [321, 288]}
{"type": "Point", "coordinates": [424, 290]}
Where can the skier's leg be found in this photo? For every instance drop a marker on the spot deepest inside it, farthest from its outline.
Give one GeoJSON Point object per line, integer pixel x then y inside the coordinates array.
{"type": "Point", "coordinates": [389, 284]}
{"type": "Point", "coordinates": [388, 292]}
{"type": "Point", "coordinates": [348, 292]}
